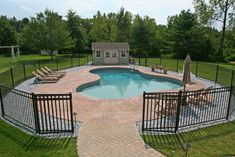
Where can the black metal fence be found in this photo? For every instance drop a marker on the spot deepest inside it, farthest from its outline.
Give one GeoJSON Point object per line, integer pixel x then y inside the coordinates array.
{"type": "Point", "coordinates": [39, 113]}
{"type": "Point", "coordinates": [169, 111]}
{"type": "Point", "coordinates": [16, 74]}
{"type": "Point", "coordinates": [216, 73]}
{"type": "Point", "coordinates": [17, 107]}
{"type": "Point", "coordinates": [206, 70]}
{"type": "Point", "coordinates": [54, 112]}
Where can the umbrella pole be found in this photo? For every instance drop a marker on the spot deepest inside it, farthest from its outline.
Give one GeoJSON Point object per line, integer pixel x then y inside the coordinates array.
{"type": "Point", "coordinates": [184, 97]}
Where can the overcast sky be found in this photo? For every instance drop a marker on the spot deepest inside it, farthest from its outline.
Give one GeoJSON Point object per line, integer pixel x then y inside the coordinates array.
{"type": "Point", "coordinates": [158, 9]}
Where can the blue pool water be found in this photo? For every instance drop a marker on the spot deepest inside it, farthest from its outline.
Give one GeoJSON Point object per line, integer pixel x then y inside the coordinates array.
{"type": "Point", "coordinates": [118, 83]}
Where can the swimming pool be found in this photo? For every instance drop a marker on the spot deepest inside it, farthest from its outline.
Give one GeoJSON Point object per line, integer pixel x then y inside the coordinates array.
{"type": "Point", "coordinates": [118, 83]}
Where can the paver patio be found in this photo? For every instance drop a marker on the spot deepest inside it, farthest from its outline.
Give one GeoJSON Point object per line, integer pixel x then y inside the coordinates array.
{"type": "Point", "coordinates": [108, 126]}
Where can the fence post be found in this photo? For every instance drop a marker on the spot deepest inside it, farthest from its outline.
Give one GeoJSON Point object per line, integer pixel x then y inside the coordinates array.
{"type": "Point", "coordinates": [177, 66]}
{"type": "Point", "coordinates": [87, 59]}
{"type": "Point", "coordinates": [39, 64]}
{"type": "Point", "coordinates": [1, 97]}
{"type": "Point", "coordinates": [79, 61]}
{"type": "Point", "coordinates": [143, 114]}
{"type": "Point", "coordinates": [145, 61]}
{"type": "Point", "coordinates": [71, 111]}
{"type": "Point", "coordinates": [12, 78]}
{"type": "Point", "coordinates": [178, 111]}
{"type": "Point", "coordinates": [71, 61]}
{"type": "Point", "coordinates": [36, 116]}
{"type": "Point", "coordinates": [139, 60]}
{"type": "Point", "coordinates": [229, 102]}
{"type": "Point", "coordinates": [196, 68]}
{"type": "Point", "coordinates": [216, 74]}
{"type": "Point", "coordinates": [231, 84]}
{"type": "Point", "coordinates": [57, 67]}
{"type": "Point", "coordinates": [25, 77]}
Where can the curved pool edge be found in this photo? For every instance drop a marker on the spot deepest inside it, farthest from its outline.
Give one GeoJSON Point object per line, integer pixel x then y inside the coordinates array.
{"type": "Point", "coordinates": [148, 73]}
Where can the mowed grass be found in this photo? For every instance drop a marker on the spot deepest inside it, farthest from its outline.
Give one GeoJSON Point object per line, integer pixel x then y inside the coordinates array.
{"type": "Point", "coordinates": [64, 61]}
{"type": "Point", "coordinates": [214, 141]}
{"type": "Point", "coordinates": [204, 70]}
{"type": "Point", "coordinates": [33, 62]}
{"type": "Point", "coordinates": [15, 143]}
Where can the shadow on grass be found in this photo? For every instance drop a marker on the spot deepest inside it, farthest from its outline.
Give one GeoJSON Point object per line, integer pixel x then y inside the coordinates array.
{"type": "Point", "coordinates": [30, 142]}
{"type": "Point", "coordinates": [174, 141]}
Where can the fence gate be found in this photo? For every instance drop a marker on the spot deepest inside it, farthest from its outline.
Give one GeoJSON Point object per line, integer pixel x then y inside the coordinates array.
{"type": "Point", "coordinates": [54, 113]}
{"type": "Point", "coordinates": [204, 106]}
{"type": "Point", "coordinates": [40, 113]}
{"type": "Point", "coordinates": [17, 107]}
{"type": "Point", "coordinates": [170, 111]}
{"type": "Point", "coordinates": [160, 112]}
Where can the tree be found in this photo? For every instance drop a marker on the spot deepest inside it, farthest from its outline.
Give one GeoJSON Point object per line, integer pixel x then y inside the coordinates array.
{"type": "Point", "coordinates": [230, 45]}
{"type": "Point", "coordinates": [7, 32]}
{"type": "Point", "coordinates": [186, 37]}
{"type": "Point", "coordinates": [144, 35]}
{"type": "Point", "coordinates": [216, 10]}
{"type": "Point", "coordinates": [47, 31]}
{"type": "Point", "coordinates": [100, 30]}
{"type": "Point", "coordinates": [123, 25]}
{"type": "Point", "coordinates": [161, 39]}
{"type": "Point", "coordinates": [77, 32]}
{"type": "Point", "coordinates": [112, 26]}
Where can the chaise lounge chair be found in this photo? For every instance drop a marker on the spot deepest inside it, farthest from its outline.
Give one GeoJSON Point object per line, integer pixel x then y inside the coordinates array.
{"type": "Point", "coordinates": [45, 75]}
{"type": "Point", "coordinates": [50, 74]}
{"type": "Point", "coordinates": [43, 79]}
{"type": "Point", "coordinates": [55, 72]}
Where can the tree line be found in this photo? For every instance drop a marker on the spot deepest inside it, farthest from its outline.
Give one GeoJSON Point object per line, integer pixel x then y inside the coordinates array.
{"type": "Point", "coordinates": [184, 33]}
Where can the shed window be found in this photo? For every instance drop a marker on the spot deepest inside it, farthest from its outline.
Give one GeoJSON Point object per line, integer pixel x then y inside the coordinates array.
{"type": "Point", "coordinates": [98, 54]}
{"type": "Point", "coordinates": [114, 55]}
{"type": "Point", "coordinates": [107, 54]}
{"type": "Point", "coordinates": [123, 54]}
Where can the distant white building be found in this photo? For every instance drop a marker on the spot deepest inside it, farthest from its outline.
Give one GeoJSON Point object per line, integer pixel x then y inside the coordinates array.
{"type": "Point", "coordinates": [106, 53]}
{"type": "Point", "coordinates": [47, 52]}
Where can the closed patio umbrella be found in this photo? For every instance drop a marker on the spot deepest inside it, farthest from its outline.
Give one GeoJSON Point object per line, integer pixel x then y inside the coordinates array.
{"type": "Point", "coordinates": [186, 74]}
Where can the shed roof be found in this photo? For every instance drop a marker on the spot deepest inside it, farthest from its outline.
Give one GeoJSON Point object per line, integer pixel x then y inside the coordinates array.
{"type": "Point", "coordinates": [110, 45]}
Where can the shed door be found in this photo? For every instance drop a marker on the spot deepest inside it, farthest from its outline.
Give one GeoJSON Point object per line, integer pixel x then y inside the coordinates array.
{"type": "Point", "coordinates": [111, 57]}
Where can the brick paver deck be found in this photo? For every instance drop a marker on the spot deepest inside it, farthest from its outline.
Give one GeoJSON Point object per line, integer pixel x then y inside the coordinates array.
{"type": "Point", "coordinates": [106, 138]}
{"type": "Point", "coordinates": [108, 126]}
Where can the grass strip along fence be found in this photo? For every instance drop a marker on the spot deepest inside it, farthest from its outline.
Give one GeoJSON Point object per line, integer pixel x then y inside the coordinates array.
{"type": "Point", "coordinates": [205, 70]}
{"type": "Point", "coordinates": [15, 75]}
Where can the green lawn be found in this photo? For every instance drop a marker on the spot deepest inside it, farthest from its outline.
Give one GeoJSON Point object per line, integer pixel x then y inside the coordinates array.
{"type": "Point", "coordinates": [64, 61]}
{"type": "Point", "coordinates": [33, 62]}
{"type": "Point", "coordinates": [15, 143]}
{"type": "Point", "coordinates": [205, 69]}
{"type": "Point", "coordinates": [214, 141]}
{"type": "Point", "coordinates": [172, 63]}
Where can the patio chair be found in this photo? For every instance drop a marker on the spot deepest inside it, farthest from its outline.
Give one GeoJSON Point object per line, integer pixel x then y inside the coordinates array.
{"type": "Point", "coordinates": [160, 68]}
{"type": "Point", "coordinates": [51, 74]}
{"type": "Point", "coordinates": [43, 79]}
{"type": "Point", "coordinates": [203, 95]}
{"type": "Point", "coordinates": [55, 72]}
{"type": "Point", "coordinates": [45, 75]}
{"type": "Point", "coordinates": [167, 107]}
